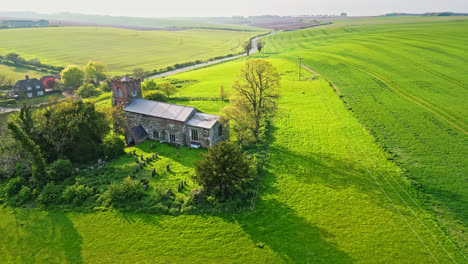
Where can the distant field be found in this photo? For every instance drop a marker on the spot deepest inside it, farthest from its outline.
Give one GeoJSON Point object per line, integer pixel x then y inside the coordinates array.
{"type": "Point", "coordinates": [408, 84]}
{"type": "Point", "coordinates": [16, 73]}
{"type": "Point", "coordinates": [122, 50]}
{"type": "Point", "coordinates": [327, 197]}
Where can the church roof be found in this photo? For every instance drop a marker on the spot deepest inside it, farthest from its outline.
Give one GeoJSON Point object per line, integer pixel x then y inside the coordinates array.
{"type": "Point", "coordinates": [203, 120]}
{"type": "Point", "coordinates": [160, 109]}
{"type": "Point", "coordinates": [138, 132]}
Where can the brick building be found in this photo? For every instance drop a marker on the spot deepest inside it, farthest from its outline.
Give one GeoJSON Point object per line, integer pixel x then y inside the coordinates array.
{"type": "Point", "coordinates": [177, 124]}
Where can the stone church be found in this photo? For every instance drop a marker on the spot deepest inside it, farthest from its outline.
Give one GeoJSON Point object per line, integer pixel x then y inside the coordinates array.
{"type": "Point", "coordinates": [177, 124]}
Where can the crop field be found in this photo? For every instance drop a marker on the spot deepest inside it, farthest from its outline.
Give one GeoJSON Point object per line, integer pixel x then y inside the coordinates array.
{"type": "Point", "coordinates": [408, 84]}
{"type": "Point", "coordinates": [331, 194]}
{"type": "Point", "coordinates": [121, 49]}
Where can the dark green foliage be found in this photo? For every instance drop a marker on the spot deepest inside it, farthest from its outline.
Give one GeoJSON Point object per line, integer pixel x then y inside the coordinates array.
{"type": "Point", "coordinates": [87, 90]}
{"type": "Point", "coordinates": [50, 194]}
{"type": "Point", "coordinates": [24, 194]}
{"type": "Point", "coordinates": [118, 193]}
{"type": "Point", "coordinates": [25, 119]}
{"type": "Point", "coordinates": [223, 166]}
{"type": "Point", "coordinates": [72, 129]}
{"type": "Point", "coordinates": [14, 185]}
{"type": "Point", "coordinates": [39, 173]}
{"type": "Point", "coordinates": [60, 169]}
{"type": "Point", "coordinates": [113, 146]}
{"type": "Point", "coordinates": [77, 193]}
{"type": "Point", "coordinates": [156, 96]}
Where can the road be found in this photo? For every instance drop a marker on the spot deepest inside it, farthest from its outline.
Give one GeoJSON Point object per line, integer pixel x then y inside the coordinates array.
{"type": "Point", "coordinates": [253, 50]}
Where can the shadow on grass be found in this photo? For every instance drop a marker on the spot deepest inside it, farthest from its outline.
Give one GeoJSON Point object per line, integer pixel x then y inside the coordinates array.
{"type": "Point", "coordinates": [39, 236]}
{"type": "Point", "coordinates": [278, 227]}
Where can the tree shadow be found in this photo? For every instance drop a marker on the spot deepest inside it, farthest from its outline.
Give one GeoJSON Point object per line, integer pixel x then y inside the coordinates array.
{"type": "Point", "coordinates": [35, 236]}
{"type": "Point", "coordinates": [291, 237]}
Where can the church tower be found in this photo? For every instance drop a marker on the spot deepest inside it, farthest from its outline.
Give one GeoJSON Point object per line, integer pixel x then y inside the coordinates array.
{"type": "Point", "coordinates": [125, 89]}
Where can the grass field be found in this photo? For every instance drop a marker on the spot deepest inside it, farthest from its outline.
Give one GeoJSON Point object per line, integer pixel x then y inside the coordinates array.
{"type": "Point", "coordinates": [16, 73]}
{"type": "Point", "coordinates": [330, 195]}
{"type": "Point", "coordinates": [121, 49]}
{"type": "Point", "coordinates": [407, 83]}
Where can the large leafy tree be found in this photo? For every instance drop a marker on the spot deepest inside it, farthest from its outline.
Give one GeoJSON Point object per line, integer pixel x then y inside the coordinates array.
{"type": "Point", "coordinates": [255, 95]}
{"type": "Point", "coordinates": [223, 166]}
{"type": "Point", "coordinates": [73, 129]}
{"type": "Point", "coordinates": [72, 76]}
{"type": "Point", "coordinates": [94, 71]}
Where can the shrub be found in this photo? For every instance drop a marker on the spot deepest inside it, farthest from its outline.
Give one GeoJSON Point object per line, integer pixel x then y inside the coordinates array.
{"type": "Point", "coordinates": [126, 190]}
{"type": "Point", "coordinates": [25, 194]}
{"type": "Point", "coordinates": [77, 193]}
{"type": "Point", "coordinates": [60, 169]}
{"type": "Point", "coordinates": [156, 96]}
{"type": "Point", "coordinates": [50, 194]}
{"type": "Point", "coordinates": [87, 90]}
{"type": "Point", "coordinates": [14, 185]}
{"type": "Point", "coordinates": [113, 146]}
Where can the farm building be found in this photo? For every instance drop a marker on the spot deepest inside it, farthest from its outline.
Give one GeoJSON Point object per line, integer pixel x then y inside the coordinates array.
{"type": "Point", "coordinates": [28, 88]}
{"type": "Point", "coordinates": [177, 124]}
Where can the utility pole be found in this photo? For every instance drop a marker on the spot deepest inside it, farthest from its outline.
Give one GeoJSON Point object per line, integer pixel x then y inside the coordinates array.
{"type": "Point", "coordinates": [300, 66]}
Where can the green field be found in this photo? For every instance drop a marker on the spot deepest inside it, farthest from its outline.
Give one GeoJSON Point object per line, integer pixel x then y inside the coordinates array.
{"type": "Point", "coordinates": [323, 200]}
{"type": "Point", "coordinates": [121, 49]}
{"type": "Point", "coordinates": [16, 73]}
{"type": "Point", "coordinates": [408, 84]}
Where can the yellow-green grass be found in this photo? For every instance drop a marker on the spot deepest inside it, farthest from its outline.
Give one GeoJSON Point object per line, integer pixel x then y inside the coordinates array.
{"type": "Point", "coordinates": [408, 84]}
{"type": "Point", "coordinates": [327, 197]}
{"type": "Point", "coordinates": [121, 49]}
{"type": "Point", "coordinates": [17, 73]}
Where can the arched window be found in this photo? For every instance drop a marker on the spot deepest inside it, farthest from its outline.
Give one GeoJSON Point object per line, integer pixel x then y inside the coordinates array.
{"type": "Point", "coordinates": [119, 92]}
{"type": "Point", "coordinates": [134, 92]}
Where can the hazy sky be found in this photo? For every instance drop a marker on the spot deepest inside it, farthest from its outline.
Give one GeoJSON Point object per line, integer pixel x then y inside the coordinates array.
{"type": "Point", "coordinates": [197, 8]}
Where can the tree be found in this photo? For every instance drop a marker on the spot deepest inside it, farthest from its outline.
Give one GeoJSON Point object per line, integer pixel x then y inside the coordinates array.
{"type": "Point", "coordinates": [39, 173]}
{"type": "Point", "coordinates": [87, 90]}
{"type": "Point", "coordinates": [72, 76]}
{"type": "Point", "coordinates": [73, 129]}
{"type": "Point", "coordinates": [5, 80]}
{"type": "Point", "coordinates": [167, 88]}
{"type": "Point", "coordinates": [255, 94]}
{"type": "Point", "coordinates": [139, 72]}
{"type": "Point", "coordinates": [149, 85]}
{"type": "Point", "coordinates": [223, 166]}
{"type": "Point", "coordinates": [156, 96]}
{"type": "Point", "coordinates": [222, 93]}
{"type": "Point", "coordinates": [94, 71]}
{"type": "Point", "coordinates": [14, 57]}
{"type": "Point", "coordinates": [49, 83]}
{"type": "Point", "coordinates": [260, 45]}
{"type": "Point", "coordinates": [247, 47]}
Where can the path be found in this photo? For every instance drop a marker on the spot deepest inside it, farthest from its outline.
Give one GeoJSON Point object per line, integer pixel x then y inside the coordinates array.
{"type": "Point", "coordinates": [253, 50]}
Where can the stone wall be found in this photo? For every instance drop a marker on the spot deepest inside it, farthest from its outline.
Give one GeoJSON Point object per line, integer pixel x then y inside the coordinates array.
{"type": "Point", "coordinates": [129, 89]}
{"type": "Point", "coordinates": [163, 126]}
{"type": "Point", "coordinates": [214, 133]}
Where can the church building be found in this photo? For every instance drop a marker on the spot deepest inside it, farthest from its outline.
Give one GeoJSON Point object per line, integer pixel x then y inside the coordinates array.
{"type": "Point", "coordinates": [176, 124]}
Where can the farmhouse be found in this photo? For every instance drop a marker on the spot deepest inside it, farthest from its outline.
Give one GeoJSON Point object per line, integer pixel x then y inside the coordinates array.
{"type": "Point", "coordinates": [28, 88]}
{"type": "Point", "coordinates": [177, 124]}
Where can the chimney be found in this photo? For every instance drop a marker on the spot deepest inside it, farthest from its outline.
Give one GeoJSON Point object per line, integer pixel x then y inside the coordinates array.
{"type": "Point", "coordinates": [27, 77]}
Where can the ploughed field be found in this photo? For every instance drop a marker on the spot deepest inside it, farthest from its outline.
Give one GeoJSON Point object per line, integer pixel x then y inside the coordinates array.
{"type": "Point", "coordinates": [330, 194]}
{"type": "Point", "coordinates": [408, 84]}
{"type": "Point", "coordinates": [121, 49]}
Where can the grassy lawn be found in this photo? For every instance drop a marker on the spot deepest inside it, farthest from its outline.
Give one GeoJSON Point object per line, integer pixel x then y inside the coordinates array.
{"type": "Point", "coordinates": [121, 49]}
{"type": "Point", "coordinates": [331, 194]}
{"type": "Point", "coordinates": [16, 73]}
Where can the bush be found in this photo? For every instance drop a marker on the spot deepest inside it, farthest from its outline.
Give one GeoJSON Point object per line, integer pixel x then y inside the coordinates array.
{"type": "Point", "coordinates": [126, 190]}
{"type": "Point", "coordinates": [113, 146]}
{"type": "Point", "coordinates": [50, 194]}
{"type": "Point", "coordinates": [156, 96]}
{"type": "Point", "coordinates": [14, 185]}
{"type": "Point", "coordinates": [60, 169]}
{"type": "Point", "coordinates": [25, 194]}
{"type": "Point", "coordinates": [77, 194]}
{"type": "Point", "coordinates": [87, 90]}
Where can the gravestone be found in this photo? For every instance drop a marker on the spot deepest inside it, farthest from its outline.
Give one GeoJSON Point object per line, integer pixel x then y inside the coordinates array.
{"type": "Point", "coordinates": [169, 193]}
{"type": "Point", "coordinates": [168, 168]}
{"type": "Point", "coordinates": [153, 172]}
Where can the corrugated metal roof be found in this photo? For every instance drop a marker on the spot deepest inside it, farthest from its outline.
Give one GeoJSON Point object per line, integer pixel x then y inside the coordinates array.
{"type": "Point", "coordinates": [160, 109]}
{"type": "Point", "coordinates": [203, 120]}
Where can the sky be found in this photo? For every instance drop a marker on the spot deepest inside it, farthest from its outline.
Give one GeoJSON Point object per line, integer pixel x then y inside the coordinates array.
{"type": "Point", "coordinates": [218, 8]}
